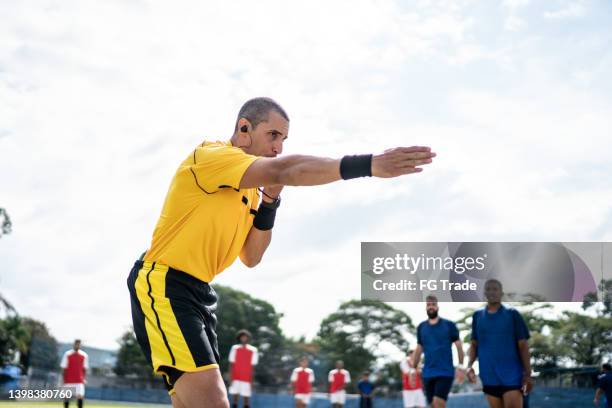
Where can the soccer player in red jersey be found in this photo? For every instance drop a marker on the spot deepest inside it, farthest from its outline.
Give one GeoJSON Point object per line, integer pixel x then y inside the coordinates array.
{"type": "Point", "coordinates": [302, 378]}
{"type": "Point", "coordinates": [412, 385]}
{"type": "Point", "coordinates": [75, 365]}
{"type": "Point", "coordinates": [338, 380]}
{"type": "Point", "coordinates": [243, 357]}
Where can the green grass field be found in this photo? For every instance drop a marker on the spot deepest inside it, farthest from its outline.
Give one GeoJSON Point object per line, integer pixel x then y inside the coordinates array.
{"type": "Point", "coordinates": [88, 404]}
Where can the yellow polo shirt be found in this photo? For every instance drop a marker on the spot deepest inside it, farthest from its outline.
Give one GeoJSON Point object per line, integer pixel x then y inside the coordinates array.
{"type": "Point", "coordinates": [206, 217]}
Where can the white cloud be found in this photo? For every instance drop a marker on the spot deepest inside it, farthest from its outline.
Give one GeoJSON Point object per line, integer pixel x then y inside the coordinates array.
{"type": "Point", "coordinates": [572, 10]}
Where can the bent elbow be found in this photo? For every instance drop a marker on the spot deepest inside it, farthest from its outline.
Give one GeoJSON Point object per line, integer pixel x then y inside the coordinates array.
{"type": "Point", "coordinates": [250, 262]}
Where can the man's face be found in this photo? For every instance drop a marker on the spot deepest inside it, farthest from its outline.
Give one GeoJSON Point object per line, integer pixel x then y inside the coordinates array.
{"type": "Point", "coordinates": [432, 309]}
{"type": "Point", "coordinates": [268, 137]}
{"type": "Point", "coordinates": [76, 345]}
{"type": "Point", "coordinates": [304, 363]}
{"type": "Point", "coordinates": [244, 339]}
{"type": "Point", "coordinates": [493, 292]}
{"type": "Point", "coordinates": [339, 365]}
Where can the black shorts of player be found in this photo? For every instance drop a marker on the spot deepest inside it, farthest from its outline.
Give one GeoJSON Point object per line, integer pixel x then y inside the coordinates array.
{"type": "Point", "coordinates": [437, 387]}
{"type": "Point", "coordinates": [174, 320]}
{"type": "Point", "coordinates": [498, 391]}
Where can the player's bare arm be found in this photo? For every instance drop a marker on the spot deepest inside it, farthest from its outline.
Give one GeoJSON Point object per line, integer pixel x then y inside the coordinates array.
{"type": "Point", "coordinates": [460, 353]}
{"type": "Point", "coordinates": [258, 240]}
{"type": "Point", "coordinates": [472, 354]}
{"type": "Point", "coordinates": [299, 170]}
{"type": "Point", "coordinates": [416, 356]}
{"type": "Point", "coordinates": [525, 355]}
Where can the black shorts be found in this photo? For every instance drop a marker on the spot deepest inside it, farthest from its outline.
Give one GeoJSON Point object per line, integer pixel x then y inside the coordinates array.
{"type": "Point", "coordinates": [174, 320]}
{"type": "Point", "coordinates": [437, 387]}
{"type": "Point", "coordinates": [498, 391]}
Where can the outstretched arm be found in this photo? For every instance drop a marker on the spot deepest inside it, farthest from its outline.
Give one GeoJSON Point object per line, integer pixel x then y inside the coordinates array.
{"type": "Point", "coordinates": [297, 170]}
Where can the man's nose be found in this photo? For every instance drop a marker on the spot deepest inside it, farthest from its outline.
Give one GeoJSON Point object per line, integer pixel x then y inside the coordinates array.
{"type": "Point", "coordinates": [277, 147]}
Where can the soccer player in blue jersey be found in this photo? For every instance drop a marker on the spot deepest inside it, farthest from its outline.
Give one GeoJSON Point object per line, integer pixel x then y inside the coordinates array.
{"type": "Point", "coordinates": [499, 341]}
{"type": "Point", "coordinates": [435, 337]}
{"type": "Point", "coordinates": [604, 385]}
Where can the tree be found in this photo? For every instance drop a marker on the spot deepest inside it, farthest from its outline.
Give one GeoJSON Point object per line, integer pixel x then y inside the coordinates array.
{"type": "Point", "coordinates": [131, 362]}
{"type": "Point", "coordinates": [238, 310]}
{"type": "Point", "coordinates": [358, 329]}
{"type": "Point", "coordinates": [591, 301]}
{"type": "Point", "coordinates": [13, 338]}
{"type": "Point", "coordinates": [40, 349]}
{"type": "Point", "coordinates": [585, 339]}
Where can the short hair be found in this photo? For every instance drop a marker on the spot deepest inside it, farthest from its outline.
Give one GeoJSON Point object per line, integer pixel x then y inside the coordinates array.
{"type": "Point", "coordinates": [366, 372]}
{"type": "Point", "coordinates": [606, 367]}
{"type": "Point", "coordinates": [494, 281]}
{"type": "Point", "coordinates": [243, 332]}
{"type": "Point", "coordinates": [77, 340]}
{"type": "Point", "coordinates": [431, 298]}
{"type": "Point", "coordinates": [256, 110]}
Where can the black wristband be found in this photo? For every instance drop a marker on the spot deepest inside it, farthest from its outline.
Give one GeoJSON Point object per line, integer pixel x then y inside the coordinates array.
{"type": "Point", "coordinates": [264, 220]}
{"type": "Point", "coordinates": [356, 166]}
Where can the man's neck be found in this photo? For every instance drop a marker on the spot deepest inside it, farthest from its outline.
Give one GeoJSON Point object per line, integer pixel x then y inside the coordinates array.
{"type": "Point", "coordinates": [435, 320]}
{"type": "Point", "coordinates": [493, 307]}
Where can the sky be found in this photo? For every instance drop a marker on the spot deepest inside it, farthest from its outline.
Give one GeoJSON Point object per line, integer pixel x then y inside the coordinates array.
{"type": "Point", "coordinates": [100, 102]}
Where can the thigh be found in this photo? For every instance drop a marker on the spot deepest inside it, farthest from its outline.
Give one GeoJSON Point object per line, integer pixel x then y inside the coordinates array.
{"type": "Point", "coordinates": [513, 399]}
{"type": "Point", "coordinates": [494, 402]}
{"type": "Point", "coordinates": [202, 389]}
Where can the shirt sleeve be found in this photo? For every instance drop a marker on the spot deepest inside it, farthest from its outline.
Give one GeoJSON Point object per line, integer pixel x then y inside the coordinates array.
{"type": "Point", "coordinates": [404, 367]}
{"type": "Point", "coordinates": [474, 326]}
{"type": "Point", "coordinates": [521, 331]}
{"type": "Point", "coordinates": [419, 339]}
{"type": "Point", "coordinates": [454, 332]}
{"type": "Point", "coordinates": [85, 362]}
{"type": "Point", "coordinates": [232, 354]}
{"type": "Point", "coordinates": [64, 363]}
{"type": "Point", "coordinates": [217, 167]}
{"type": "Point", "coordinates": [347, 376]}
{"type": "Point", "coordinates": [311, 376]}
{"type": "Point", "coordinates": [330, 376]}
{"type": "Point", "coordinates": [255, 358]}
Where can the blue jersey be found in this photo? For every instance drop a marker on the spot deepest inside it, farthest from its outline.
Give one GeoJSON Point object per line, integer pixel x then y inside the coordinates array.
{"type": "Point", "coordinates": [605, 383]}
{"type": "Point", "coordinates": [497, 335]}
{"type": "Point", "coordinates": [365, 387]}
{"type": "Point", "coordinates": [436, 340]}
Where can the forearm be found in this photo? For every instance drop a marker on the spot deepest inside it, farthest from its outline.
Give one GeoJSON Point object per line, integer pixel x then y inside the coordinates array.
{"type": "Point", "coordinates": [298, 170]}
{"type": "Point", "coordinates": [460, 353]}
{"type": "Point", "coordinates": [416, 357]}
{"type": "Point", "coordinates": [525, 356]}
{"type": "Point", "coordinates": [472, 353]}
{"type": "Point", "coordinates": [598, 394]}
{"type": "Point", "coordinates": [255, 246]}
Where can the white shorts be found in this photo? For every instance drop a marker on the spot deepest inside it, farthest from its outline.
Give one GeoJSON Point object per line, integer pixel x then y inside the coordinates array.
{"type": "Point", "coordinates": [305, 398]}
{"type": "Point", "coordinates": [78, 390]}
{"type": "Point", "coordinates": [414, 398]}
{"type": "Point", "coordinates": [240, 387]}
{"type": "Point", "coordinates": [338, 397]}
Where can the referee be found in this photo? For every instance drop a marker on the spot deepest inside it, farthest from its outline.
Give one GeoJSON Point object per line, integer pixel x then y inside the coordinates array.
{"type": "Point", "coordinates": [214, 213]}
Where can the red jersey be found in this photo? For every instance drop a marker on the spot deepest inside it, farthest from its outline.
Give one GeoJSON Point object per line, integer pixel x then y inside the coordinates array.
{"type": "Point", "coordinates": [302, 379]}
{"type": "Point", "coordinates": [338, 379]}
{"type": "Point", "coordinates": [74, 363]}
{"type": "Point", "coordinates": [243, 358]}
{"type": "Point", "coordinates": [407, 372]}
